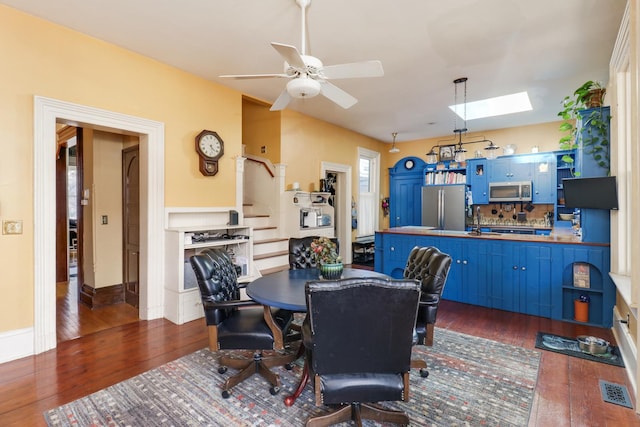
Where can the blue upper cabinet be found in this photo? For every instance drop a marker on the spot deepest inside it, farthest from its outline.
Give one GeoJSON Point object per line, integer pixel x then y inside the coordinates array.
{"type": "Point", "coordinates": [406, 179]}
{"type": "Point", "coordinates": [544, 178]}
{"type": "Point", "coordinates": [511, 169]}
{"type": "Point", "coordinates": [477, 179]}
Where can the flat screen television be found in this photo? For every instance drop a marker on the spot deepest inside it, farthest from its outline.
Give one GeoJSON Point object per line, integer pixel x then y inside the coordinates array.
{"type": "Point", "coordinates": [591, 193]}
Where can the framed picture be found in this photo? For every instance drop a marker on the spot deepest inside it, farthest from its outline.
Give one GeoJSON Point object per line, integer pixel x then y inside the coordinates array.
{"type": "Point", "coordinates": [447, 152]}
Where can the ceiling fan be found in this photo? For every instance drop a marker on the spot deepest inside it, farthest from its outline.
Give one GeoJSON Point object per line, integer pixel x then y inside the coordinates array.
{"type": "Point", "coordinates": [308, 77]}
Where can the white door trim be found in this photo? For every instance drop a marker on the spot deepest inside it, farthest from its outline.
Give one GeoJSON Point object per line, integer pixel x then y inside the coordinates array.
{"type": "Point", "coordinates": [48, 112]}
{"type": "Point", "coordinates": [344, 204]}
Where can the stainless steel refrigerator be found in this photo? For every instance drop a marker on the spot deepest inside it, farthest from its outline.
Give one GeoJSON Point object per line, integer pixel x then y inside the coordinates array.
{"type": "Point", "coordinates": [443, 206]}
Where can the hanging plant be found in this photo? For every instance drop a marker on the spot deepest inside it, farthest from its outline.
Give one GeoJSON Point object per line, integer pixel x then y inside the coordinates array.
{"type": "Point", "coordinates": [595, 141]}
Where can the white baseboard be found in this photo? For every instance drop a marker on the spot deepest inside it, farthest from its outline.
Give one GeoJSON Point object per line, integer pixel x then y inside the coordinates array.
{"type": "Point", "coordinates": [16, 344]}
{"type": "Point", "coordinates": [627, 349]}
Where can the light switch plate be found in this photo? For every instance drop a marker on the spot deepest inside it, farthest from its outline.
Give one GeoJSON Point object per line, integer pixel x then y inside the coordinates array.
{"type": "Point", "coordinates": [11, 227]}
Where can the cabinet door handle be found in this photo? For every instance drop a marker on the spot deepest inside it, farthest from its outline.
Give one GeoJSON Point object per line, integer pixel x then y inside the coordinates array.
{"type": "Point", "coordinates": [457, 261]}
{"type": "Point", "coordinates": [523, 268]}
{"type": "Point", "coordinates": [392, 249]}
{"type": "Point", "coordinates": [515, 267]}
{"type": "Point", "coordinates": [464, 262]}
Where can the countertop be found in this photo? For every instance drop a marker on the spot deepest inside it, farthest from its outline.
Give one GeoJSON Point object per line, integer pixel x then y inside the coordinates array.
{"type": "Point", "coordinates": [556, 236]}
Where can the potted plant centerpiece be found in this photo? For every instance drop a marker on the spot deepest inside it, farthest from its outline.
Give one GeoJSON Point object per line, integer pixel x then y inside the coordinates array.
{"type": "Point", "coordinates": [327, 258]}
{"type": "Point", "coordinates": [596, 139]}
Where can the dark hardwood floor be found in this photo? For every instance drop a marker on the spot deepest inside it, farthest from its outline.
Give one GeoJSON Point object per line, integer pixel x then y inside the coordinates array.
{"type": "Point", "coordinates": [567, 392]}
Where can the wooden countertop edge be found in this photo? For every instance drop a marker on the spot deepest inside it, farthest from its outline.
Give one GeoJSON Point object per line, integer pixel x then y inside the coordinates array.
{"type": "Point", "coordinates": [553, 238]}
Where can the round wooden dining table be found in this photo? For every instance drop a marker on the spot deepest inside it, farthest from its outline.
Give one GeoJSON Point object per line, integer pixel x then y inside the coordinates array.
{"type": "Point", "coordinates": [285, 290]}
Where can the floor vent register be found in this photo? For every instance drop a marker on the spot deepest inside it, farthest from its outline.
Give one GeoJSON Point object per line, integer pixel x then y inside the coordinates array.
{"type": "Point", "coordinates": [615, 393]}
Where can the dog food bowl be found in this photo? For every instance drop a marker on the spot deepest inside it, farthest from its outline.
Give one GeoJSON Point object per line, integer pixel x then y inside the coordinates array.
{"type": "Point", "coordinates": [566, 217]}
{"type": "Point", "coordinates": [593, 345]}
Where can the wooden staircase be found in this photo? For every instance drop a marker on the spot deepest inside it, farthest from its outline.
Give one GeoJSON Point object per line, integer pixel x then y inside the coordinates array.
{"type": "Point", "coordinates": [270, 251]}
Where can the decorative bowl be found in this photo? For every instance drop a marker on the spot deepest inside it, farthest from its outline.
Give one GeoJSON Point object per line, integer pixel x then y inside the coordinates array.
{"type": "Point", "coordinates": [566, 217]}
{"type": "Point", "coordinates": [593, 345]}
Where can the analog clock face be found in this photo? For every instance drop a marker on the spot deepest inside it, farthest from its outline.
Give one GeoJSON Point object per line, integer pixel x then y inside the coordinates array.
{"type": "Point", "coordinates": [408, 164]}
{"type": "Point", "coordinates": [210, 145]}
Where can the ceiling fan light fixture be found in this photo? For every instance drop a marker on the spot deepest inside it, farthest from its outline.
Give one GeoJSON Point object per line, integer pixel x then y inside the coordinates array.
{"type": "Point", "coordinates": [303, 88]}
{"type": "Point", "coordinates": [393, 148]}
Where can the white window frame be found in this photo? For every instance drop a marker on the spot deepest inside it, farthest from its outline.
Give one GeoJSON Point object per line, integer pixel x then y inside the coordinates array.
{"type": "Point", "coordinates": [374, 184]}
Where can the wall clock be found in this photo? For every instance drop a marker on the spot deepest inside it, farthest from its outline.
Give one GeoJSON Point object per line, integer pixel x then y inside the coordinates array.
{"type": "Point", "coordinates": [408, 164]}
{"type": "Point", "coordinates": [210, 148]}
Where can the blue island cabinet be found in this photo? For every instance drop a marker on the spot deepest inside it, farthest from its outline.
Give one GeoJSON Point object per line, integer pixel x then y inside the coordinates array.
{"type": "Point", "coordinates": [529, 277]}
{"type": "Point", "coordinates": [525, 285]}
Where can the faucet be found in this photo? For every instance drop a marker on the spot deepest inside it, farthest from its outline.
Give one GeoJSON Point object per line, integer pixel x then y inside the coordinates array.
{"type": "Point", "coordinates": [477, 231]}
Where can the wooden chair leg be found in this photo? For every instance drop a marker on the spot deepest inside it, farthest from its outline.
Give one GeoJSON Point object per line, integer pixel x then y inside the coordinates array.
{"type": "Point", "coordinates": [428, 339]}
{"type": "Point", "coordinates": [341, 415]}
{"type": "Point", "coordinates": [371, 412]}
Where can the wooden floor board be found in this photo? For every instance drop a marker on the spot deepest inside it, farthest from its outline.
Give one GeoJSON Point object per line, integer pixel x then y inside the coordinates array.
{"type": "Point", "coordinates": [567, 391]}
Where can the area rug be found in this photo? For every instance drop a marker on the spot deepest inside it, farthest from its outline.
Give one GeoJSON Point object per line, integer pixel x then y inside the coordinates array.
{"type": "Point", "coordinates": [472, 382]}
{"type": "Point", "coordinates": [570, 347]}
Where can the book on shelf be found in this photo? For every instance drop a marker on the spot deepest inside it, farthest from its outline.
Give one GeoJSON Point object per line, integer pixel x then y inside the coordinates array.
{"type": "Point", "coordinates": [581, 277]}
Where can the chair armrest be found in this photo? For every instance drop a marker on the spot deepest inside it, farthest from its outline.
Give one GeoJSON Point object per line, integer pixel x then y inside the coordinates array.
{"type": "Point", "coordinates": [429, 300]}
{"type": "Point", "coordinates": [230, 304]}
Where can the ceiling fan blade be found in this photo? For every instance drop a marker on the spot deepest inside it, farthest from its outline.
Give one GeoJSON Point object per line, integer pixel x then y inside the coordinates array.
{"type": "Point", "coordinates": [282, 101]}
{"type": "Point", "coordinates": [353, 70]}
{"type": "Point", "coordinates": [337, 95]}
{"type": "Point", "coordinates": [290, 54]}
{"type": "Point", "coordinates": [253, 76]}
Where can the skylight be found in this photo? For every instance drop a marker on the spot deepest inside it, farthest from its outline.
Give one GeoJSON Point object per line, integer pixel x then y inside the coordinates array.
{"type": "Point", "coordinates": [490, 107]}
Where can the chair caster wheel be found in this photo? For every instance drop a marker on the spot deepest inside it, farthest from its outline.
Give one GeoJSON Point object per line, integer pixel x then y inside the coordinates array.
{"type": "Point", "coordinates": [274, 390]}
{"type": "Point", "coordinates": [226, 394]}
{"type": "Point", "coordinates": [222, 369]}
{"type": "Point", "coordinates": [424, 373]}
{"type": "Point", "coordinates": [288, 366]}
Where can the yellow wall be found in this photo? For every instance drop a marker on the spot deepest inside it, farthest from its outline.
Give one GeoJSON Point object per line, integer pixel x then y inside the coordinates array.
{"type": "Point", "coordinates": [260, 128]}
{"type": "Point", "coordinates": [44, 59]}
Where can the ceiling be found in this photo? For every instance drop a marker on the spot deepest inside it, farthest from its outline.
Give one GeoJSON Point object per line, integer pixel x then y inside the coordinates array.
{"type": "Point", "coordinates": [545, 47]}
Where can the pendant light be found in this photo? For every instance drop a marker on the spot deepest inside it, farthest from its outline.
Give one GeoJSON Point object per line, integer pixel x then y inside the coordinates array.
{"type": "Point", "coordinates": [459, 151]}
{"type": "Point", "coordinates": [432, 156]}
{"type": "Point", "coordinates": [393, 148]}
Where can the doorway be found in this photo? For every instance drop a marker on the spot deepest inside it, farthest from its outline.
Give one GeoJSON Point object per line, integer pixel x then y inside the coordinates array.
{"type": "Point", "coordinates": [342, 206]}
{"type": "Point", "coordinates": [47, 113]}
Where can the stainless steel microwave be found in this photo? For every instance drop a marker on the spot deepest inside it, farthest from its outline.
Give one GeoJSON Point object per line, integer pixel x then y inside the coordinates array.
{"type": "Point", "coordinates": [510, 191]}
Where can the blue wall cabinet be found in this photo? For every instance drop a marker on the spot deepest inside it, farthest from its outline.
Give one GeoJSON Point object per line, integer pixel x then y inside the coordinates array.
{"type": "Point", "coordinates": [477, 178]}
{"type": "Point", "coordinates": [544, 178]}
{"type": "Point", "coordinates": [406, 179]}
{"type": "Point", "coordinates": [511, 169]}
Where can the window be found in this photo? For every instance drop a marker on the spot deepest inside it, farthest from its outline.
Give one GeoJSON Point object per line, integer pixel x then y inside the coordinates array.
{"type": "Point", "coordinates": [368, 191]}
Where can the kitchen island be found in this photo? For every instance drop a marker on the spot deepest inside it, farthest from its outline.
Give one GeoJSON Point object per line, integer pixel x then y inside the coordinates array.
{"type": "Point", "coordinates": [524, 273]}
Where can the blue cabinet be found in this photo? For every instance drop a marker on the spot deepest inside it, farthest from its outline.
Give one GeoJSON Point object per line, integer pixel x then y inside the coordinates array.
{"type": "Point", "coordinates": [599, 288]}
{"type": "Point", "coordinates": [405, 192]}
{"type": "Point", "coordinates": [595, 223]}
{"type": "Point", "coordinates": [544, 178]}
{"type": "Point", "coordinates": [511, 168]}
{"type": "Point", "coordinates": [535, 278]}
{"type": "Point", "coordinates": [477, 179]}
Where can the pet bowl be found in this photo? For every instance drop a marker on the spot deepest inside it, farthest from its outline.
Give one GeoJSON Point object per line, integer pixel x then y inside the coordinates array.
{"type": "Point", "coordinates": [566, 217]}
{"type": "Point", "coordinates": [593, 345]}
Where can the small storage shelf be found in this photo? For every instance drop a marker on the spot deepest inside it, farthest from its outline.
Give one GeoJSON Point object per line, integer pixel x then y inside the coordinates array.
{"type": "Point", "coordinates": [182, 300]}
{"type": "Point", "coordinates": [592, 288]}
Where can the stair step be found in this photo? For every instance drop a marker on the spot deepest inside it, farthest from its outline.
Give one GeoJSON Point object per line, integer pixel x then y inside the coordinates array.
{"type": "Point", "coordinates": [274, 269]}
{"type": "Point", "coordinates": [270, 255]}
{"type": "Point", "coordinates": [273, 240]}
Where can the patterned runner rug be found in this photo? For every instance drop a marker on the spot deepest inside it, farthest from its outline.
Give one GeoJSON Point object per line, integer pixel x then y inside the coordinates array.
{"type": "Point", "coordinates": [472, 382]}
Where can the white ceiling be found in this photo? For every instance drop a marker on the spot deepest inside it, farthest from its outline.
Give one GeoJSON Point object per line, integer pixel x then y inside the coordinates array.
{"type": "Point", "coordinates": [545, 47]}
